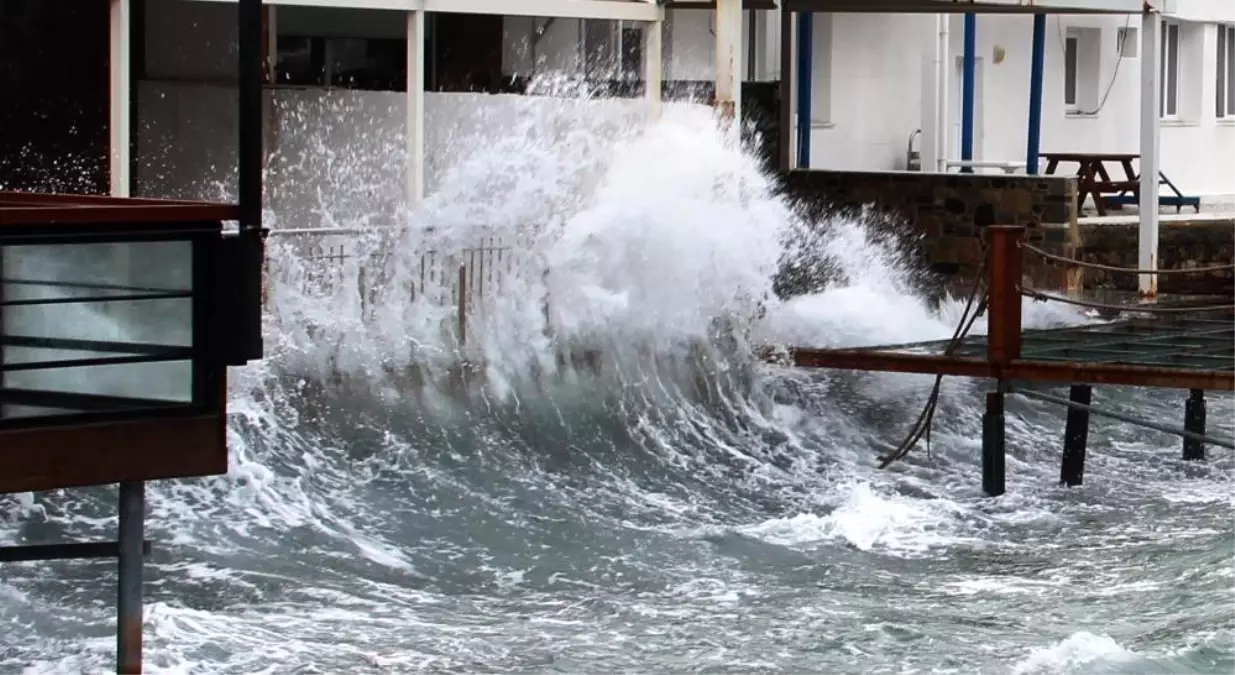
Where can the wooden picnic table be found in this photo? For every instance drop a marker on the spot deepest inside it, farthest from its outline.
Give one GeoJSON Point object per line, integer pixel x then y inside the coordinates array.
{"type": "Point", "coordinates": [1093, 180]}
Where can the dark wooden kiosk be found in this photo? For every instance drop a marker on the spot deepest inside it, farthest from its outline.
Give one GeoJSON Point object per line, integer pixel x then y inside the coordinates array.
{"type": "Point", "coordinates": [118, 320]}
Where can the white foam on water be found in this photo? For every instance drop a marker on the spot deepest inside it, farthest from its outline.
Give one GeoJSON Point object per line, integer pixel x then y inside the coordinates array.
{"type": "Point", "coordinates": [1076, 653]}
{"type": "Point", "coordinates": [644, 242]}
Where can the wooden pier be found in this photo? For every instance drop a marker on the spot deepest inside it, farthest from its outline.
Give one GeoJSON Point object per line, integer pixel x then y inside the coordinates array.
{"type": "Point", "coordinates": [1180, 346]}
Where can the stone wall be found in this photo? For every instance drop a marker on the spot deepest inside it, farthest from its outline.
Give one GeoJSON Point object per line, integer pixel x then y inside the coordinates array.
{"type": "Point", "coordinates": [949, 212]}
{"type": "Point", "coordinates": [1181, 245]}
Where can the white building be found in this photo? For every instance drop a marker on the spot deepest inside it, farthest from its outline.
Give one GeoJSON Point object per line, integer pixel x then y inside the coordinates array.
{"type": "Point", "coordinates": [873, 84]}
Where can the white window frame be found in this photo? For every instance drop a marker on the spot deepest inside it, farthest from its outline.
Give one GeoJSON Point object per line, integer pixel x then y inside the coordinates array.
{"type": "Point", "coordinates": [1224, 98]}
{"type": "Point", "coordinates": [1169, 54]}
{"type": "Point", "coordinates": [1072, 64]}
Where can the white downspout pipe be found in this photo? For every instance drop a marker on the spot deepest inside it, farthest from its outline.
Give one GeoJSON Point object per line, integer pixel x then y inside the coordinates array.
{"type": "Point", "coordinates": [942, 119]}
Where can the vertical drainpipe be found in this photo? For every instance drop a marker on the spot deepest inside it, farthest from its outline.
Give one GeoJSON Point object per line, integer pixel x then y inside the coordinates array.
{"type": "Point", "coordinates": [1034, 142]}
{"type": "Point", "coordinates": [967, 87]}
{"type": "Point", "coordinates": [806, 43]}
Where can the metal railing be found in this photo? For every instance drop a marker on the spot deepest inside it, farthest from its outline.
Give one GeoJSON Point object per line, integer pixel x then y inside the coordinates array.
{"type": "Point", "coordinates": [466, 280]}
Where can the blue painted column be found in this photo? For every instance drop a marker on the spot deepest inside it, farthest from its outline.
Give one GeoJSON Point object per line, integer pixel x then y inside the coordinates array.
{"type": "Point", "coordinates": [1034, 143]}
{"type": "Point", "coordinates": [967, 86]}
{"type": "Point", "coordinates": [806, 43]}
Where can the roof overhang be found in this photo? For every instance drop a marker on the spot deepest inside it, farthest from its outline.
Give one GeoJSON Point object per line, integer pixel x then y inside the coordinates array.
{"type": "Point", "coordinates": [982, 6]}
{"type": "Point", "coordinates": [617, 10]}
{"type": "Point", "coordinates": [711, 4]}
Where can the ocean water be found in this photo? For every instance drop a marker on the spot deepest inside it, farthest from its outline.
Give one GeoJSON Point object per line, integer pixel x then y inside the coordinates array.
{"type": "Point", "coordinates": [680, 507]}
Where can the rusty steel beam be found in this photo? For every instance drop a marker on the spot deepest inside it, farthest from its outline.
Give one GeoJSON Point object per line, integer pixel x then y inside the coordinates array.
{"type": "Point", "coordinates": [1023, 370]}
{"type": "Point", "coordinates": [885, 362]}
{"type": "Point", "coordinates": [1003, 310]}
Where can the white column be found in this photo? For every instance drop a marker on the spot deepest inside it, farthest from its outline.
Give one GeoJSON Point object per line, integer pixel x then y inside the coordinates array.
{"type": "Point", "coordinates": [1151, 126]}
{"type": "Point", "coordinates": [729, 59]}
{"type": "Point", "coordinates": [415, 108]}
{"type": "Point", "coordinates": [119, 106]}
{"type": "Point", "coordinates": [653, 64]}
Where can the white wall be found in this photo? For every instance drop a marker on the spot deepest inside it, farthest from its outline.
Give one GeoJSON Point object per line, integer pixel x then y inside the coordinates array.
{"type": "Point", "coordinates": [867, 88]}
{"type": "Point", "coordinates": [871, 88]}
{"type": "Point", "coordinates": [1196, 149]}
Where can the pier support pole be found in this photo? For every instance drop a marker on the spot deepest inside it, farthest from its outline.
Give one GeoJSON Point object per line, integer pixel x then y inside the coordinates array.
{"type": "Point", "coordinates": [129, 605]}
{"type": "Point", "coordinates": [1003, 343]}
{"type": "Point", "coordinates": [1076, 436]}
{"type": "Point", "coordinates": [993, 445]}
{"type": "Point", "coordinates": [1194, 421]}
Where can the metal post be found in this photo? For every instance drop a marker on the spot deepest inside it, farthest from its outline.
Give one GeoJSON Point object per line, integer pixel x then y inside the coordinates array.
{"type": "Point", "coordinates": [786, 89]}
{"type": "Point", "coordinates": [1003, 313]}
{"type": "Point", "coordinates": [250, 251]}
{"type": "Point", "coordinates": [129, 601]}
{"type": "Point", "coordinates": [806, 51]}
{"type": "Point", "coordinates": [1037, 66]}
{"type": "Point", "coordinates": [993, 449]}
{"type": "Point", "coordinates": [120, 97]}
{"type": "Point", "coordinates": [462, 305]}
{"type": "Point", "coordinates": [415, 108]}
{"type": "Point", "coordinates": [1151, 124]}
{"type": "Point", "coordinates": [1194, 421]}
{"type": "Point", "coordinates": [1076, 436]}
{"type": "Point", "coordinates": [729, 62]}
{"type": "Point", "coordinates": [967, 89]}
{"type": "Point", "coordinates": [653, 63]}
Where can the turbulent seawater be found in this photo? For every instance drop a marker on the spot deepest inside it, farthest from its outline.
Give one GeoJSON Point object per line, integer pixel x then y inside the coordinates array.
{"type": "Point", "coordinates": [678, 509]}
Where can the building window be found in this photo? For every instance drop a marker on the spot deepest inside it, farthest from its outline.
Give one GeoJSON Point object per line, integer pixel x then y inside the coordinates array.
{"type": "Point", "coordinates": [1168, 105]}
{"type": "Point", "coordinates": [1082, 61]}
{"type": "Point", "coordinates": [1225, 98]}
{"type": "Point", "coordinates": [349, 63]}
{"type": "Point", "coordinates": [1071, 61]}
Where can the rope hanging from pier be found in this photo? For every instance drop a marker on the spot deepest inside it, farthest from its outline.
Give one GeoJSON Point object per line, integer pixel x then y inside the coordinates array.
{"type": "Point", "coordinates": [1124, 270]}
{"type": "Point", "coordinates": [922, 426]}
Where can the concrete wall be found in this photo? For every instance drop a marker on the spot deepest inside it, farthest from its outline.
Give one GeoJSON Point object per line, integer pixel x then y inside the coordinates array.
{"type": "Point", "coordinates": [1181, 245]}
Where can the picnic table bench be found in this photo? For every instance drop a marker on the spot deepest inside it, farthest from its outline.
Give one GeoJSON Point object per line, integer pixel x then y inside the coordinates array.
{"type": "Point", "coordinates": [1094, 181]}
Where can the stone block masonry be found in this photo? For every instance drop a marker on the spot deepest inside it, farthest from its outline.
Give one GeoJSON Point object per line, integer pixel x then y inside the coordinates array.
{"type": "Point", "coordinates": [1181, 245]}
{"type": "Point", "coordinates": [949, 212]}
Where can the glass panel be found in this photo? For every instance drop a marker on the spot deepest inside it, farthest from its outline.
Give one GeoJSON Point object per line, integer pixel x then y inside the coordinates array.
{"type": "Point", "coordinates": [1069, 71]}
{"type": "Point", "coordinates": [1172, 84]}
{"type": "Point", "coordinates": [1230, 70]}
{"type": "Point", "coordinates": [84, 324]}
{"type": "Point", "coordinates": [1220, 98]}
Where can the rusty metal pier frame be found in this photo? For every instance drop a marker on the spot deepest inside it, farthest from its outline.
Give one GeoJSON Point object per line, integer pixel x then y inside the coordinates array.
{"type": "Point", "coordinates": [1183, 347]}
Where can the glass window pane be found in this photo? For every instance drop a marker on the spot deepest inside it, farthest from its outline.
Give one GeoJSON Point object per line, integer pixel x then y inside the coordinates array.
{"type": "Point", "coordinates": [1172, 91]}
{"type": "Point", "coordinates": [82, 321]}
{"type": "Point", "coordinates": [1069, 71]}
{"type": "Point", "coordinates": [1220, 96]}
{"type": "Point", "coordinates": [1230, 70]}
